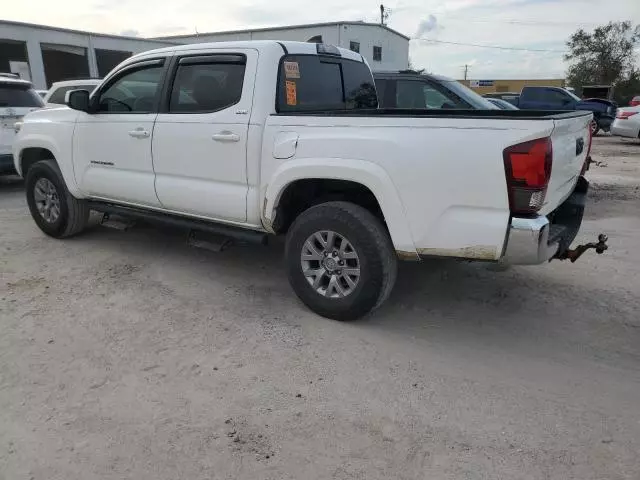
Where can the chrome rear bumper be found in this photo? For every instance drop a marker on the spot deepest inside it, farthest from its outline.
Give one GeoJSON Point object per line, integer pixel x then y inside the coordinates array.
{"type": "Point", "coordinates": [528, 242]}
{"type": "Point", "coordinates": [535, 240]}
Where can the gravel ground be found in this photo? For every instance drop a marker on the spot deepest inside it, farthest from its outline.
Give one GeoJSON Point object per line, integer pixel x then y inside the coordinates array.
{"type": "Point", "coordinates": [129, 355]}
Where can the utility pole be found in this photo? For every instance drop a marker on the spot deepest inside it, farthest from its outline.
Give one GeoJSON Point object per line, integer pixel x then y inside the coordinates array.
{"type": "Point", "coordinates": [466, 70]}
{"type": "Point", "coordinates": [381, 14]}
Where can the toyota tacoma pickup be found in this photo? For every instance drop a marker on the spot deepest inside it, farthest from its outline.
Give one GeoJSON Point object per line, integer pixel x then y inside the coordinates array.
{"type": "Point", "coordinates": [250, 139]}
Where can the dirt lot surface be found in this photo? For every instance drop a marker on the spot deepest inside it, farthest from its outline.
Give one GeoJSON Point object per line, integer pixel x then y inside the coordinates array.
{"type": "Point", "coordinates": [129, 355]}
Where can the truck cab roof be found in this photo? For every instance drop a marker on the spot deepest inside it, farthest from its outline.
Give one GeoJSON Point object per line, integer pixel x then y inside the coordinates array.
{"type": "Point", "coordinates": [285, 47]}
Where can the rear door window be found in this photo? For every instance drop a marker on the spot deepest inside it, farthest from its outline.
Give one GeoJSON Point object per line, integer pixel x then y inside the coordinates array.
{"type": "Point", "coordinates": [532, 95]}
{"type": "Point", "coordinates": [19, 96]}
{"type": "Point", "coordinates": [556, 97]}
{"type": "Point", "coordinates": [207, 84]}
{"type": "Point", "coordinates": [318, 83]}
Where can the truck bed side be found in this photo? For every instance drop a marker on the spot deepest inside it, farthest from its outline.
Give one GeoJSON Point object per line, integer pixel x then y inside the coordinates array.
{"type": "Point", "coordinates": [447, 169]}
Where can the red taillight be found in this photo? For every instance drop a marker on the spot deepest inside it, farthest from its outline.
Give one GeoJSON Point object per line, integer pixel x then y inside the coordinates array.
{"type": "Point", "coordinates": [528, 169]}
{"type": "Point", "coordinates": [634, 103]}
{"type": "Point", "coordinates": [623, 115]}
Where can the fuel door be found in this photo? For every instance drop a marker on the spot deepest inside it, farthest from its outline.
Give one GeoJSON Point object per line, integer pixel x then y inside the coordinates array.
{"type": "Point", "coordinates": [285, 144]}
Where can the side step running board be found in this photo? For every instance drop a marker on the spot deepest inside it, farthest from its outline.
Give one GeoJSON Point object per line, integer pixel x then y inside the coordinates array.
{"type": "Point", "coordinates": [237, 233]}
{"type": "Point", "coordinates": [117, 222]}
{"type": "Point", "coordinates": [209, 241]}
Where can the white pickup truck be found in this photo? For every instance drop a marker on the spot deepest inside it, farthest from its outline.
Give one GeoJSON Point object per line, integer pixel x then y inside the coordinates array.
{"type": "Point", "coordinates": [250, 139]}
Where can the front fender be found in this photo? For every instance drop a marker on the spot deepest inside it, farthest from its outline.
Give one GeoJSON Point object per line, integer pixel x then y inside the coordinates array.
{"type": "Point", "coordinates": [366, 173]}
{"type": "Point", "coordinates": [60, 146]}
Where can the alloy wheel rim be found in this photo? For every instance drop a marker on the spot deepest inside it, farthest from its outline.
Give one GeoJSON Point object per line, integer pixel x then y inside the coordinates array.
{"type": "Point", "coordinates": [46, 199]}
{"type": "Point", "coordinates": [330, 264]}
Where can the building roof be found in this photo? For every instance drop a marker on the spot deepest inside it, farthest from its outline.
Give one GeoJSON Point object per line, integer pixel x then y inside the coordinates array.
{"type": "Point", "coordinates": [287, 27]}
{"type": "Point", "coordinates": [81, 32]}
{"type": "Point", "coordinates": [167, 39]}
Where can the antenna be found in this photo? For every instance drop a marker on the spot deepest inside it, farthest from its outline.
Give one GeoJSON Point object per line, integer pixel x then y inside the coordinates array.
{"type": "Point", "coordinates": [384, 14]}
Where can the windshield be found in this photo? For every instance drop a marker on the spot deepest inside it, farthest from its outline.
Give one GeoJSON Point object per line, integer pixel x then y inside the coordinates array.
{"type": "Point", "coordinates": [471, 97]}
{"type": "Point", "coordinates": [19, 96]}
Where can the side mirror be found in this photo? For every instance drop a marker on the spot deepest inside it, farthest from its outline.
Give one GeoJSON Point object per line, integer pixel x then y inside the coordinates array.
{"type": "Point", "coordinates": [78, 100]}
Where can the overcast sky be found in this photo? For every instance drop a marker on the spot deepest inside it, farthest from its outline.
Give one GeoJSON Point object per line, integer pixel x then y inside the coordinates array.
{"type": "Point", "coordinates": [527, 24]}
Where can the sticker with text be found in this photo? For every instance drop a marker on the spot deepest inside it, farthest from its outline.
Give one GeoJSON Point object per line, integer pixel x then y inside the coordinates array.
{"type": "Point", "coordinates": [292, 98]}
{"type": "Point", "coordinates": [291, 70]}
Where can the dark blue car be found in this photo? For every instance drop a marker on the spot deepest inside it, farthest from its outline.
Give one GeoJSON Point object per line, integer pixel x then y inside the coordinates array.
{"type": "Point", "coordinates": [557, 98]}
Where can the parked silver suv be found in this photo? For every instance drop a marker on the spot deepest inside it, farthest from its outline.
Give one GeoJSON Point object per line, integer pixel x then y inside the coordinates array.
{"type": "Point", "coordinates": [17, 98]}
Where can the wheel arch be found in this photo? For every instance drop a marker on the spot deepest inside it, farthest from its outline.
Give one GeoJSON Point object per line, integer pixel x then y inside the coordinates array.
{"type": "Point", "coordinates": [31, 155]}
{"type": "Point", "coordinates": [366, 175]}
{"type": "Point", "coordinates": [33, 148]}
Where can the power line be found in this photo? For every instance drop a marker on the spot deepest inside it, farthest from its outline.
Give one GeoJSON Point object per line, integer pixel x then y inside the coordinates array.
{"type": "Point", "coordinates": [498, 47]}
{"type": "Point", "coordinates": [532, 23]}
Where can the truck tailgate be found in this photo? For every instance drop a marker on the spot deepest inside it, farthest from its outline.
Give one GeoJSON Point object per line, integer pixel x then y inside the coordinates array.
{"type": "Point", "coordinates": [570, 140]}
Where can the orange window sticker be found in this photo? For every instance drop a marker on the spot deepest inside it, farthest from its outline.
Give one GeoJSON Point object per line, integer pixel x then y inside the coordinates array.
{"type": "Point", "coordinates": [291, 70]}
{"type": "Point", "coordinates": [292, 98]}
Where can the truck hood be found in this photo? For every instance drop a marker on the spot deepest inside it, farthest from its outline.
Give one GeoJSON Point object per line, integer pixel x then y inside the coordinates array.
{"type": "Point", "coordinates": [58, 114]}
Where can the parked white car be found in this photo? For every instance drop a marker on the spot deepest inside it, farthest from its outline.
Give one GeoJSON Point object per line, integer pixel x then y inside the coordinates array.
{"type": "Point", "coordinates": [250, 139]}
{"type": "Point", "coordinates": [17, 98]}
{"type": "Point", "coordinates": [627, 122]}
{"type": "Point", "coordinates": [56, 94]}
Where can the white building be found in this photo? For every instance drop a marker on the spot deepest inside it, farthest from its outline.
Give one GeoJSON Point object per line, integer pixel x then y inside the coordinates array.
{"type": "Point", "coordinates": [384, 48]}
{"type": "Point", "coordinates": [45, 54]}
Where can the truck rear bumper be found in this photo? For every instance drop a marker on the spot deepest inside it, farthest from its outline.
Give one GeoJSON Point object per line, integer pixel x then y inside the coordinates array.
{"type": "Point", "coordinates": [535, 240]}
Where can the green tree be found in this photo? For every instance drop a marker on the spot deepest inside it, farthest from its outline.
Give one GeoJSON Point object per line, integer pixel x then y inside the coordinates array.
{"type": "Point", "coordinates": [605, 57]}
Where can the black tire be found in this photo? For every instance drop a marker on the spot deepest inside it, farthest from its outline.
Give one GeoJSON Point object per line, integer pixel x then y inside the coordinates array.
{"type": "Point", "coordinates": [595, 128]}
{"type": "Point", "coordinates": [74, 213]}
{"type": "Point", "coordinates": [371, 242]}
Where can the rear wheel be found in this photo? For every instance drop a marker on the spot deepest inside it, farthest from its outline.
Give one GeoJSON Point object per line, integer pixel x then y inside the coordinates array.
{"type": "Point", "coordinates": [58, 213]}
{"type": "Point", "coordinates": [594, 128]}
{"type": "Point", "coordinates": [340, 260]}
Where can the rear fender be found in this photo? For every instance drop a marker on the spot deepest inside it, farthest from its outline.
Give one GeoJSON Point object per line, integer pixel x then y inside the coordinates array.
{"type": "Point", "coordinates": [366, 173]}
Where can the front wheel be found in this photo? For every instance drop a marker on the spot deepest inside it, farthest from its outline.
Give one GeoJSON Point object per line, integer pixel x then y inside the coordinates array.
{"type": "Point", "coordinates": [58, 213]}
{"type": "Point", "coordinates": [340, 260]}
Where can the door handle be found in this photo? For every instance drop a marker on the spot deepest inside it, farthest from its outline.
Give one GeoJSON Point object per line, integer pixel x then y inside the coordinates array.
{"type": "Point", "coordinates": [139, 133]}
{"type": "Point", "coordinates": [226, 137]}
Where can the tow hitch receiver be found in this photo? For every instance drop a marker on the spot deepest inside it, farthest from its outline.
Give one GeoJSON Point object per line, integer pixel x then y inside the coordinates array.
{"type": "Point", "coordinates": [574, 254]}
